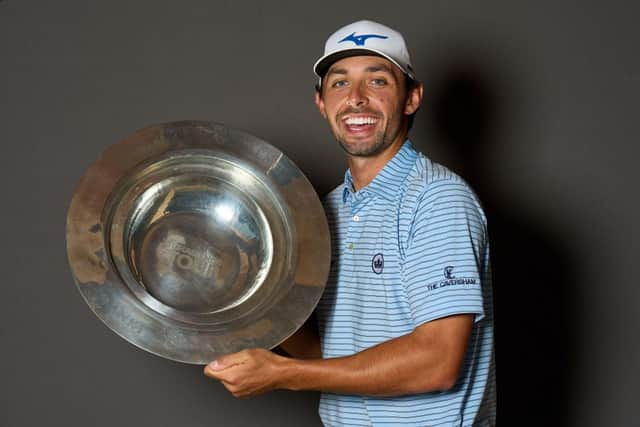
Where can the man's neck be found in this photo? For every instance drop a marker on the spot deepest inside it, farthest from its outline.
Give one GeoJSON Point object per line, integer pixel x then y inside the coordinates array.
{"type": "Point", "coordinates": [365, 169]}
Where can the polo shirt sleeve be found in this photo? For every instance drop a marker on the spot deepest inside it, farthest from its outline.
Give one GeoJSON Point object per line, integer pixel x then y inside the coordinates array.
{"type": "Point", "coordinates": [443, 258]}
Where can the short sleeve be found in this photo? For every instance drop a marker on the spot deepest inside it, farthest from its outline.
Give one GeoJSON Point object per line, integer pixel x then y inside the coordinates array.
{"type": "Point", "coordinates": [443, 260]}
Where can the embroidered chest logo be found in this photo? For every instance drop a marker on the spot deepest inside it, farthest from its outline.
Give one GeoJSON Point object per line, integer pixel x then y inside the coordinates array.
{"type": "Point", "coordinates": [448, 272]}
{"type": "Point", "coordinates": [377, 263]}
{"type": "Point", "coordinates": [361, 39]}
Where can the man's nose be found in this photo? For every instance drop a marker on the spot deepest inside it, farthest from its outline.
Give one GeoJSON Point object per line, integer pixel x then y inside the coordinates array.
{"type": "Point", "coordinates": [357, 97]}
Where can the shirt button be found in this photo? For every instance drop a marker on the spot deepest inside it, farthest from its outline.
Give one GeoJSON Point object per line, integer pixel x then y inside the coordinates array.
{"type": "Point", "coordinates": [350, 246]}
{"type": "Point", "coordinates": [356, 218]}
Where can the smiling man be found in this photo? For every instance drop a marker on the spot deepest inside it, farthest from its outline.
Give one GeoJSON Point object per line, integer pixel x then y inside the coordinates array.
{"type": "Point", "coordinates": [405, 324]}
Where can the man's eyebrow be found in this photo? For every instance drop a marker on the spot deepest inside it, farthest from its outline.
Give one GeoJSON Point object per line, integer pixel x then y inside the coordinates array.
{"type": "Point", "coordinates": [378, 67]}
{"type": "Point", "coordinates": [337, 71]}
{"type": "Point", "coordinates": [370, 69]}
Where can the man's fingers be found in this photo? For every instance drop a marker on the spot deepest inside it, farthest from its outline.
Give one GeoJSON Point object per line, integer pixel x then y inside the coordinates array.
{"type": "Point", "coordinates": [224, 362]}
{"type": "Point", "coordinates": [210, 372]}
{"type": "Point", "coordinates": [228, 374]}
{"type": "Point", "coordinates": [216, 365]}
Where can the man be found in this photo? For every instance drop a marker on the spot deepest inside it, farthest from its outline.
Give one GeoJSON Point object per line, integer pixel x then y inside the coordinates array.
{"type": "Point", "coordinates": [405, 323]}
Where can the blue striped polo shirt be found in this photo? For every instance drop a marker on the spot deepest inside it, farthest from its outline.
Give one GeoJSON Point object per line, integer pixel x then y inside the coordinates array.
{"type": "Point", "coordinates": [408, 248]}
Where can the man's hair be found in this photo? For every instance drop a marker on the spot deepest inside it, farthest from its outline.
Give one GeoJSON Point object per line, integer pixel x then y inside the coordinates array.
{"type": "Point", "coordinates": [409, 84]}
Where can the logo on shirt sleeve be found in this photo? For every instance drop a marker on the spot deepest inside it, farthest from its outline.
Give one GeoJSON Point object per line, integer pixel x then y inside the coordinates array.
{"type": "Point", "coordinates": [448, 272]}
{"type": "Point", "coordinates": [451, 280]}
{"type": "Point", "coordinates": [377, 263]}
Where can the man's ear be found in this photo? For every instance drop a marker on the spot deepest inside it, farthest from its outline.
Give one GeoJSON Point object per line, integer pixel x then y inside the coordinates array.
{"type": "Point", "coordinates": [414, 99]}
{"type": "Point", "coordinates": [320, 104]}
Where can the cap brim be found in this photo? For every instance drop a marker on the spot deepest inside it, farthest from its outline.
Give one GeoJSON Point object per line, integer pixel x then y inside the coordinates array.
{"type": "Point", "coordinates": [321, 66]}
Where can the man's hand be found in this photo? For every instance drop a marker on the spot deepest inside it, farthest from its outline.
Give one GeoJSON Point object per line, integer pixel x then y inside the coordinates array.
{"type": "Point", "coordinates": [248, 372]}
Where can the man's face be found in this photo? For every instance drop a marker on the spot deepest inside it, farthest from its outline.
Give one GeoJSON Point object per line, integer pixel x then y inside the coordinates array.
{"type": "Point", "coordinates": [365, 101]}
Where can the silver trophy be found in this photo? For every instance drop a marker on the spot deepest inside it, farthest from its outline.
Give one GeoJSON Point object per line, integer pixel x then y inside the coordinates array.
{"type": "Point", "coordinates": [192, 240]}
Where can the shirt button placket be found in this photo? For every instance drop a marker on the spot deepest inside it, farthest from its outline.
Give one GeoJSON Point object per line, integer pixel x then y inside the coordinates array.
{"type": "Point", "coordinates": [350, 234]}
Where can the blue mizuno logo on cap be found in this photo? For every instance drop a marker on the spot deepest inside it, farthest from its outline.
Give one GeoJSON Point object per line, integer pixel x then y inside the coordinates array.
{"type": "Point", "coordinates": [360, 40]}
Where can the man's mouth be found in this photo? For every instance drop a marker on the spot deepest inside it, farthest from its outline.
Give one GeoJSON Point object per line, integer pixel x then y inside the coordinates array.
{"type": "Point", "coordinates": [359, 123]}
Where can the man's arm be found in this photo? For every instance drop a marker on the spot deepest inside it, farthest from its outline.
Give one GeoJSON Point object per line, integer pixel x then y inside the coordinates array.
{"type": "Point", "coordinates": [427, 359]}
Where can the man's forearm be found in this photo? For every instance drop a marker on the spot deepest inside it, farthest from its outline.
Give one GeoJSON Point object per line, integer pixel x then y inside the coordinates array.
{"type": "Point", "coordinates": [427, 359]}
{"type": "Point", "coordinates": [419, 362]}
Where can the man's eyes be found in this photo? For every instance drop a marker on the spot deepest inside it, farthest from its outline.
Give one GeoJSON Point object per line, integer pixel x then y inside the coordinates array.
{"type": "Point", "coordinates": [339, 83]}
{"type": "Point", "coordinates": [373, 82]}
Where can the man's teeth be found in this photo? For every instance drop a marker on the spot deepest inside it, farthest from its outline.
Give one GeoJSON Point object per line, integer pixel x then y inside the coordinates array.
{"type": "Point", "coordinates": [360, 121]}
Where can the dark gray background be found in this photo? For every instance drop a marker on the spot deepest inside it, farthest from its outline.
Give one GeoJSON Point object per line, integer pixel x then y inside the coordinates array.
{"type": "Point", "coordinates": [535, 103]}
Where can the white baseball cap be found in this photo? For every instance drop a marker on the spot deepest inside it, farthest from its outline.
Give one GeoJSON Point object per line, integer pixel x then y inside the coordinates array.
{"type": "Point", "coordinates": [365, 38]}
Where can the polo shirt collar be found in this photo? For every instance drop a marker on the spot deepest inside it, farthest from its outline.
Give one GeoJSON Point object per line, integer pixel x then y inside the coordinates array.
{"type": "Point", "coordinates": [389, 179]}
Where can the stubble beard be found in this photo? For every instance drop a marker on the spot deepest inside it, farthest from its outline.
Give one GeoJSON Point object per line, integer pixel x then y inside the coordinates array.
{"type": "Point", "coordinates": [365, 149]}
{"type": "Point", "coordinates": [383, 138]}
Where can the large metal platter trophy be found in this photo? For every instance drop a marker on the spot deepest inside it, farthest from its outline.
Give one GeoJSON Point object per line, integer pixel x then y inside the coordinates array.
{"type": "Point", "coordinates": [192, 240]}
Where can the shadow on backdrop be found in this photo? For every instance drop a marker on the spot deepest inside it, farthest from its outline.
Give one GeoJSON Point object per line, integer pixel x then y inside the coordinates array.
{"type": "Point", "coordinates": [533, 266]}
